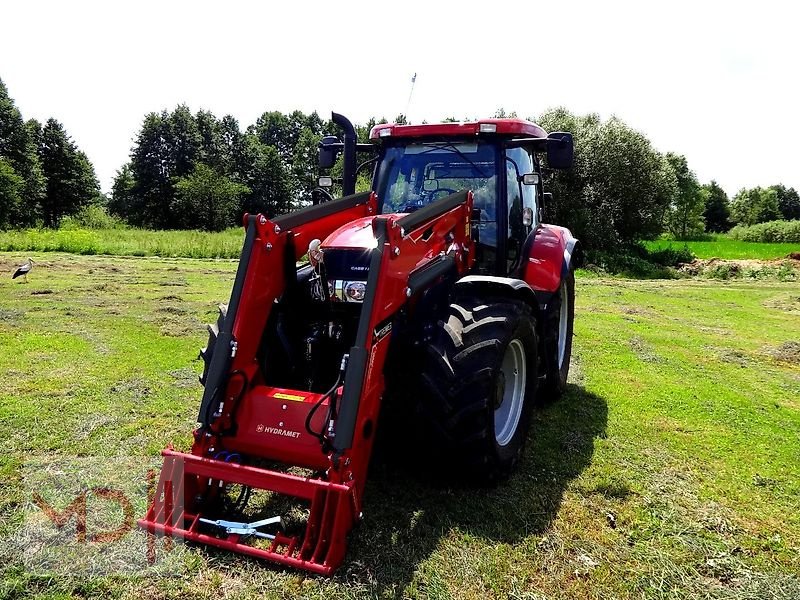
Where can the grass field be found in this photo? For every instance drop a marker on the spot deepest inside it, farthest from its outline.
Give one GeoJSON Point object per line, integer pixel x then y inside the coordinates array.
{"type": "Point", "coordinates": [227, 244]}
{"type": "Point", "coordinates": [126, 242]}
{"type": "Point", "coordinates": [671, 469]}
{"type": "Point", "coordinates": [731, 249]}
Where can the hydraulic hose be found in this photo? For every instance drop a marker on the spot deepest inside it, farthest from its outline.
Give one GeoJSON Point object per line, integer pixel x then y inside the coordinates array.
{"type": "Point", "coordinates": [331, 416]}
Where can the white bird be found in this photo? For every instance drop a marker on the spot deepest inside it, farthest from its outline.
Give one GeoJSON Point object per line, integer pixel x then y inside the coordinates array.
{"type": "Point", "coordinates": [23, 270]}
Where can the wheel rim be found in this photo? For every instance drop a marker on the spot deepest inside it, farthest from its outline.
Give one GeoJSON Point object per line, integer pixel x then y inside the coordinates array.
{"type": "Point", "coordinates": [563, 323]}
{"type": "Point", "coordinates": [514, 372]}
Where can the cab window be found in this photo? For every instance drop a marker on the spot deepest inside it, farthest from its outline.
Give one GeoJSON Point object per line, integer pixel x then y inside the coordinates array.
{"type": "Point", "coordinates": [524, 163]}
{"type": "Point", "coordinates": [521, 199]}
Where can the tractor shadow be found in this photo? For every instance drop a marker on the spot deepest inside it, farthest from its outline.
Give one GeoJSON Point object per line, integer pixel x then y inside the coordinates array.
{"type": "Point", "coordinates": [406, 515]}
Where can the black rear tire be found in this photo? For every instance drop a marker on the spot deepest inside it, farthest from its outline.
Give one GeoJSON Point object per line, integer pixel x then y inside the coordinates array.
{"type": "Point", "coordinates": [558, 349]}
{"type": "Point", "coordinates": [479, 382]}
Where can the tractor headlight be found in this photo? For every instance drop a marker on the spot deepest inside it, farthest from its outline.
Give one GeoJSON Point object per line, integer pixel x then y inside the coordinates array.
{"type": "Point", "coordinates": [354, 291]}
{"type": "Point", "coordinates": [314, 252]}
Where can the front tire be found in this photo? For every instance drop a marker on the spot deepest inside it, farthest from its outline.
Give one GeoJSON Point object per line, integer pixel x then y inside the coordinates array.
{"type": "Point", "coordinates": [479, 384]}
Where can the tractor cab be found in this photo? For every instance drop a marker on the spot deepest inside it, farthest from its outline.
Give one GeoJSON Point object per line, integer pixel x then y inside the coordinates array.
{"type": "Point", "coordinates": [497, 159]}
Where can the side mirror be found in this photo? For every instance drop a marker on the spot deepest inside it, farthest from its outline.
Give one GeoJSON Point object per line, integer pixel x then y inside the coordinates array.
{"type": "Point", "coordinates": [329, 149]}
{"type": "Point", "coordinates": [560, 150]}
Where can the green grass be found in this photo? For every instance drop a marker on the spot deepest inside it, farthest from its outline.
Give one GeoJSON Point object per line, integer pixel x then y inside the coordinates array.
{"type": "Point", "coordinates": [126, 242]}
{"type": "Point", "coordinates": [722, 247]}
{"type": "Point", "coordinates": [227, 244]}
{"type": "Point", "coordinates": [671, 469]}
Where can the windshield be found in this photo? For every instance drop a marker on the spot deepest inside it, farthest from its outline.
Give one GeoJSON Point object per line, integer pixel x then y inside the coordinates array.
{"type": "Point", "coordinates": [415, 175]}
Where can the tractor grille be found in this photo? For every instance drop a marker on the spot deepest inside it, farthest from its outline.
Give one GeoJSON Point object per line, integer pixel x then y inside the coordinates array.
{"type": "Point", "coordinates": [346, 270]}
{"type": "Point", "coordinates": [347, 264]}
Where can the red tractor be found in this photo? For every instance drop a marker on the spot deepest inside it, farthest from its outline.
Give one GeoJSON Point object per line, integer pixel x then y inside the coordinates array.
{"type": "Point", "coordinates": [437, 301]}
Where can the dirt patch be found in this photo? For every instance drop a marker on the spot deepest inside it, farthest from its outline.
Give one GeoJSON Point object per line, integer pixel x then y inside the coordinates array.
{"type": "Point", "coordinates": [177, 330]}
{"type": "Point", "coordinates": [172, 310]}
{"type": "Point", "coordinates": [178, 323]}
{"type": "Point", "coordinates": [787, 352]}
{"type": "Point", "coordinates": [185, 378]}
{"type": "Point", "coordinates": [109, 268]}
{"type": "Point", "coordinates": [787, 303]}
{"type": "Point", "coordinates": [41, 292]}
{"type": "Point", "coordinates": [171, 298]}
{"type": "Point", "coordinates": [136, 388]}
{"type": "Point", "coordinates": [735, 357]}
{"type": "Point", "coordinates": [782, 269]}
{"type": "Point", "coordinates": [11, 316]}
{"type": "Point", "coordinates": [91, 423]}
{"type": "Point", "coordinates": [643, 350]}
{"type": "Point", "coordinates": [714, 330]}
{"type": "Point", "coordinates": [635, 314]}
{"type": "Point", "coordinates": [105, 287]}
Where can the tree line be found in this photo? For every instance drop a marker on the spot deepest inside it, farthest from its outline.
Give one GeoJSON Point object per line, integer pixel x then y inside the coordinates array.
{"type": "Point", "coordinates": [621, 189]}
{"type": "Point", "coordinates": [199, 172]}
{"type": "Point", "coordinates": [196, 171]}
{"type": "Point", "coordinates": [43, 175]}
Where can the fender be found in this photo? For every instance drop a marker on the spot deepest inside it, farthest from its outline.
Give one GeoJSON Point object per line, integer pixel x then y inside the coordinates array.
{"type": "Point", "coordinates": [548, 255]}
{"type": "Point", "coordinates": [506, 286]}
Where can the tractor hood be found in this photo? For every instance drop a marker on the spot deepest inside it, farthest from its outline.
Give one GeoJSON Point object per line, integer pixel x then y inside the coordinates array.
{"type": "Point", "coordinates": [355, 235]}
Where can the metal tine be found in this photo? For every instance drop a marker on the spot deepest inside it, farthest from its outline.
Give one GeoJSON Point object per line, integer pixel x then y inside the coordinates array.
{"type": "Point", "coordinates": [270, 521]}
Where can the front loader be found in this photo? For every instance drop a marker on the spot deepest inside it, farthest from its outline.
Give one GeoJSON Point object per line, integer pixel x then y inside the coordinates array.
{"type": "Point", "coordinates": [408, 295]}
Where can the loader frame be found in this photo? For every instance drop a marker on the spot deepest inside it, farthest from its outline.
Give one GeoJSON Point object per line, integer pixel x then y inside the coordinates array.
{"type": "Point", "coordinates": [244, 423]}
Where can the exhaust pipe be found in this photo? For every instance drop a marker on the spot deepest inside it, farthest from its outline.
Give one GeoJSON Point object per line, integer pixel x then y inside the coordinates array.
{"type": "Point", "coordinates": [350, 141]}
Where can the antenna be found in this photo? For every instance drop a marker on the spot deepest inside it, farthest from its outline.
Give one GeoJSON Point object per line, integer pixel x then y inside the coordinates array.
{"type": "Point", "coordinates": [411, 93]}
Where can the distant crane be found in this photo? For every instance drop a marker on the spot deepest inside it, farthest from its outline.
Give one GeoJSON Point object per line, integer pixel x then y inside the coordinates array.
{"type": "Point", "coordinates": [23, 270]}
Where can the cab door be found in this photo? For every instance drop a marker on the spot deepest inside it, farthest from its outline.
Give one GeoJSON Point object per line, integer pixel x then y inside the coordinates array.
{"type": "Point", "coordinates": [521, 203]}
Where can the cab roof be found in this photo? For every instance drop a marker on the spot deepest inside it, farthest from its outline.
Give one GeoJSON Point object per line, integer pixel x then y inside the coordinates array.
{"type": "Point", "coordinates": [518, 128]}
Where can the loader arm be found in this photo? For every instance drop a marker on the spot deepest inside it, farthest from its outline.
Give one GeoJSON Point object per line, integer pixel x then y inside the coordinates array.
{"type": "Point", "coordinates": [244, 423]}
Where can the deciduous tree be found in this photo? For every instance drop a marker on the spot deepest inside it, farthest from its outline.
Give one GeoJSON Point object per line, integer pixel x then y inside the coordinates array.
{"type": "Point", "coordinates": [788, 201]}
{"type": "Point", "coordinates": [207, 199]}
{"type": "Point", "coordinates": [685, 213]}
{"type": "Point", "coordinates": [619, 187]}
{"type": "Point", "coordinates": [716, 210]}
{"type": "Point", "coordinates": [756, 205]}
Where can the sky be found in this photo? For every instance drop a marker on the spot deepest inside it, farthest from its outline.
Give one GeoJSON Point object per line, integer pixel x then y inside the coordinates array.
{"type": "Point", "coordinates": [716, 82]}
